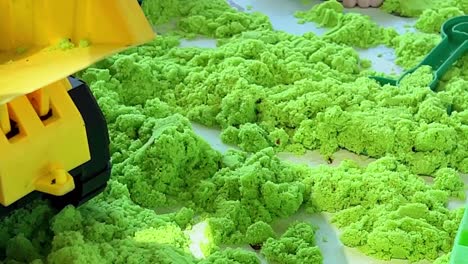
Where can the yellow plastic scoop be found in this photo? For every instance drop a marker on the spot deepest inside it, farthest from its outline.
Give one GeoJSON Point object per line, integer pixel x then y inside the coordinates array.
{"type": "Point", "coordinates": [34, 36]}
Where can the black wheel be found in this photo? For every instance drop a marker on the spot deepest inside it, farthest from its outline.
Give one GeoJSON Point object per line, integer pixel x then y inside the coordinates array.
{"type": "Point", "coordinates": [90, 178]}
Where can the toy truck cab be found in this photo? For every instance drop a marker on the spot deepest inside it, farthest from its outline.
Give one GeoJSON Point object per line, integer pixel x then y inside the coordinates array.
{"type": "Point", "coordinates": [53, 136]}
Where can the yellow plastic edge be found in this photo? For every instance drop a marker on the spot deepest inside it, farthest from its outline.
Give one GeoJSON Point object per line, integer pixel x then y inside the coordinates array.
{"type": "Point", "coordinates": [31, 54]}
{"type": "Point", "coordinates": [40, 156]}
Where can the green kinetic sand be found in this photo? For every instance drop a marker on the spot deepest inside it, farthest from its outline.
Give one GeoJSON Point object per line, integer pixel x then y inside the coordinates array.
{"type": "Point", "coordinates": [409, 8]}
{"type": "Point", "coordinates": [327, 14]}
{"type": "Point", "coordinates": [431, 20]}
{"type": "Point", "coordinates": [412, 48]}
{"type": "Point", "coordinates": [330, 14]}
{"type": "Point", "coordinates": [268, 91]}
{"type": "Point", "coordinates": [416, 8]}
{"type": "Point", "coordinates": [375, 211]}
{"type": "Point", "coordinates": [296, 245]}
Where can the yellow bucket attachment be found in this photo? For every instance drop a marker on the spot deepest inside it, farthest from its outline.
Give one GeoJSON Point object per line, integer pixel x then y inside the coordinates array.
{"type": "Point", "coordinates": [44, 41]}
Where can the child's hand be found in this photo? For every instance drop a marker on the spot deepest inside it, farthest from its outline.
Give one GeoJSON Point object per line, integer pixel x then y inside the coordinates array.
{"type": "Point", "coordinates": [362, 3]}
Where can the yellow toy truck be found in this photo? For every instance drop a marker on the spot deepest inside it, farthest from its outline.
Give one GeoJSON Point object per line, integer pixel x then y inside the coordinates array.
{"type": "Point", "coordinates": [53, 136]}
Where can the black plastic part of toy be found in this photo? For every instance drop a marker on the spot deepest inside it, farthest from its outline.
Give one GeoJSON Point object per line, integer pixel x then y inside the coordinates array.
{"type": "Point", "coordinates": [91, 177]}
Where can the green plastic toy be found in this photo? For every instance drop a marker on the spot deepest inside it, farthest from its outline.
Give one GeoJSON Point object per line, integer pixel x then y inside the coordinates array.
{"type": "Point", "coordinates": [459, 253]}
{"type": "Point", "coordinates": [453, 45]}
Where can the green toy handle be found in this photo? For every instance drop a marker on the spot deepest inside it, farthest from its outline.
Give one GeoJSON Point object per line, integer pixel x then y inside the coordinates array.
{"type": "Point", "coordinates": [441, 58]}
{"type": "Point", "coordinates": [454, 44]}
{"type": "Point", "coordinates": [459, 254]}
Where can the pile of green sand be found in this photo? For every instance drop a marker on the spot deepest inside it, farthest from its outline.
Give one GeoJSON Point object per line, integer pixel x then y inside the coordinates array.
{"type": "Point", "coordinates": [420, 8]}
{"type": "Point", "coordinates": [268, 91]}
{"type": "Point", "coordinates": [272, 89]}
